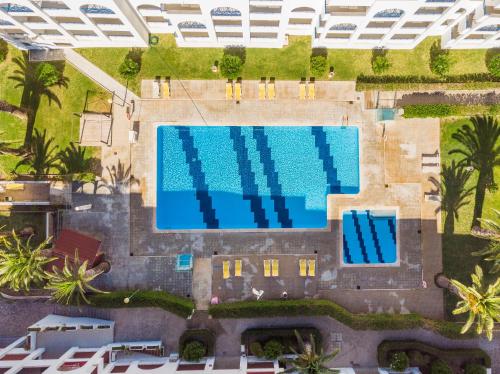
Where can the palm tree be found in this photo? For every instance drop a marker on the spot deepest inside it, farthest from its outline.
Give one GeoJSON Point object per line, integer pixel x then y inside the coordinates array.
{"type": "Point", "coordinates": [40, 159]}
{"type": "Point", "coordinates": [71, 284]}
{"type": "Point", "coordinates": [36, 79]}
{"type": "Point", "coordinates": [492, 232]}
{"type": "Point", "coordinates": [308, 361]}
{"type": "Point", "coordinates": [481, 151]}
{"type": "Point", "coordinates": [73, 160]}
{"type": "Point", "coordinates": [21, 264]}
{"type": "Point", "coordinates": [481, 301]}
{"type": "Point", "coordinates": [453, 192]}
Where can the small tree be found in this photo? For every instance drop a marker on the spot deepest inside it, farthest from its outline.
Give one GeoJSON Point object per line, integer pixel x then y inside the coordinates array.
{"type": "Point", "coordinates": [230, 66]}
{"type": "Point", "coordinates": [440, 367]}
{"type": "Point", "coordinates": [399, 361]}
{"type": "Point", "coordinates": [129, 68]}
{"type": "Point", "coordinates": [193, 351]}
{"type": "Point", "coordinates": [317, 64]}
{"type": "Point", "coordinates": [48, 73]}
{"type": "Point", "coordinates": [380, 64]}
{"type": "Point", "coordinates": [256, 349]}
{"type": "Point", "coordinates": [273, 349]}
{"type": "Point", "coordinates": [493, 65]}
{"type": "Point", "coordinates": [4, 50]}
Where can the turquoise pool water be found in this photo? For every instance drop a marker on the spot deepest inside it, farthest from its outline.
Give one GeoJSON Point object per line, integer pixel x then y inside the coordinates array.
{"type": "Point", "coordinates": [369, 237]}
{"type": "Point", "coordinates": [246, 177]}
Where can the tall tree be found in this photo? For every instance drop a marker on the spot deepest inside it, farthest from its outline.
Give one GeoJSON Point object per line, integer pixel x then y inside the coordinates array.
{"type": "Point", "coordinates": [22, 264]}
{"type": "Point", "coordinates": [480, 301]}
{"type": "Point", "coordinates": [453, 192]}
{"type": "Point", "coordinates": [308, 359]}
{"type": "Point", "coordinates": [73, 160]}
{"type": "Point", "coordinates": [481, 151]}
{"type": "Point", "coordinates": [71, 284]}
{"type": "Point", "coordinates": [491, 232]}
{"type": "Point", "coordinates": [36, 80]}
{"type": "Point", "coordinates": [41, 157]}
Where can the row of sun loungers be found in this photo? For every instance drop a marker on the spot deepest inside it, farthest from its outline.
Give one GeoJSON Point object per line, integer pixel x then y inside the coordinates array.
{"type": "Point", "coordinates": [161, 88]}
{"type": "Point", "coordinates": [233, 91]}
{"type": "Point", "coordinates": [267, 90]}
{"type": "Point", "coordinates": [307, 268]}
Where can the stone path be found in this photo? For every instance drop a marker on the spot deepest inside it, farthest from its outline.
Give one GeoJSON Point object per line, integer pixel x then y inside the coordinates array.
{"type": "Point", "coordinates": [97, 75]}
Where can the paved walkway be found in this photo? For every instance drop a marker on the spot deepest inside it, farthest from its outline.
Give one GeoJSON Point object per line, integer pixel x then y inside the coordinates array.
{"type": "Point", "coordinates": [97, 75]}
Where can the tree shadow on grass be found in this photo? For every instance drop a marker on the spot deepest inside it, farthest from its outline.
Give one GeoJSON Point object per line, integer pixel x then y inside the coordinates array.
{"type": "Point", "coordinates": [236, 50]}
{"type": "Point", "coordinates": [135, 54]}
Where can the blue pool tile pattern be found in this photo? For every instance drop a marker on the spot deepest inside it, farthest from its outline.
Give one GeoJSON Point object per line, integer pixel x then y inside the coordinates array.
{"type": "Point", "coordinates": [251, 177]}
{"type": "Point", "coordinates": [369, 237]}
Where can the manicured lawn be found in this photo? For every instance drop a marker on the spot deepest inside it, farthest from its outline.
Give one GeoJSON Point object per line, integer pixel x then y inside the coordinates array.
{"type": "Point", "coordinates": [290, 62]}
{"type": "Point", "coordinates": [458, 263]}
{"type": "Point", "coordinates": [60, 123]}
{"type": "Point", "coordinates": [11, 129]}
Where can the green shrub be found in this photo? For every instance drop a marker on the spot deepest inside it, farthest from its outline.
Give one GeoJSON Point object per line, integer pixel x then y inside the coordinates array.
{"type": "Point", "coordinates": [418, 359]}
{"type": "Point", "coordinates": [493, 65]}
{"type": "Point", "coordinates": [48, 73]}
{"type": "Point", "coordinates": [256, 349]}
{"type": "Point", "coordinates": [230, 66]}
{"type": "Point", "coordinates": [286, 336]}
{"type": "Point", "coordinates": [440, 367]}
{"type": "Point", "coordinates": [441, 64]}
{"type": "Point", "coordinates": [194, 351]}
{"type": "Point", "coordinates": [129, 68]}
{"type": "Point", "coordinates": [204, 336]}
{"type": "Point", "coordinates": [273, 349]}
{"type": "Point", "coordinates": [4, 50]}
{"type": "Point", "coordinates": [474, 369]}
{"type": "Point", "coordinates": [399, 361]}
{"type": "Point", "coordinates": [181, 306]}
{"type": "Point", "coordinates": [317, 65]}
{"type": "Point", "coordinates": [446, 110]}
{"type": "Point", "coordinates": [380, 64]}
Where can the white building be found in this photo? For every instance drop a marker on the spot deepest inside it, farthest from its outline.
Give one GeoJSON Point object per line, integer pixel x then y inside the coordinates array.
{"type": "Point", "coordinates": [361, 24]}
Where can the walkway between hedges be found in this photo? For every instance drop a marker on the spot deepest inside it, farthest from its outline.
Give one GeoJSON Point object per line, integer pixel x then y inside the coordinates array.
{"type": "Point", "coordinates": [99, 76]}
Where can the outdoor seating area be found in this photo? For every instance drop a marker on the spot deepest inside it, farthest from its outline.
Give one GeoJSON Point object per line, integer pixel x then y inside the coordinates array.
{"type": "Point", "coordinates": [261, 276]}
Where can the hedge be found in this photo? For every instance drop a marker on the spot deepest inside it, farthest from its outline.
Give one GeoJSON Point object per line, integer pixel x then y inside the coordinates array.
{"type": "Point", "coordinates": [180, 306]}
{"type": "Point", "coordinates": [468, 355]}
{"type": "Point", "coordinates": [318, 307]}
{"type": "Point", "coordinates": [480, 80]}
{"type": "Point", "coordinates": [447, 110]}
{"type": "Point", "coordinates": [204, 336]}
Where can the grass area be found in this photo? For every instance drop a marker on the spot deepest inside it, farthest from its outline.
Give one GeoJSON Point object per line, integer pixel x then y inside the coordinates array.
{"type": "Point", "coordinates": [458, 263]}
{"type": "Point", "coordinates": [12, 129]}
{"type": "Point", "coordinates": [290, 62]}
{"type": "Point", "coordinates": [60, 123]}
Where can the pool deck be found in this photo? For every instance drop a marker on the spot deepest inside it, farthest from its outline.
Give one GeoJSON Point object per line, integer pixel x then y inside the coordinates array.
{"type": "Point", "coordinates": [391, 176]}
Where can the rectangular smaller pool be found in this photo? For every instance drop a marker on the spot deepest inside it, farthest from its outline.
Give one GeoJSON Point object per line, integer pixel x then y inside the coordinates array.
{"type": "Point", "coordinates": [369, 237]}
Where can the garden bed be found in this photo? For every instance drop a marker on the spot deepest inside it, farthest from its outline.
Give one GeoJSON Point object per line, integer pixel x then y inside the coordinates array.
{"type": "Point", "coordinates": [204, 336]}
{"type": "Point", "coordinates": [422, 355]}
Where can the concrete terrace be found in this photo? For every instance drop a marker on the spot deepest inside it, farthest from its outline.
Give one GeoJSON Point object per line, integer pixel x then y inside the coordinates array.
{"type": "Point", "coordinates": [391, 176]}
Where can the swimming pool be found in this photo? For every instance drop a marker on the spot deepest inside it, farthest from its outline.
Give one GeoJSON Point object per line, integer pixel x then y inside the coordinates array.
{"type": "Point", "coordinates": [251, 177]}
{"type": "Point", "coordinates": [369, 237]}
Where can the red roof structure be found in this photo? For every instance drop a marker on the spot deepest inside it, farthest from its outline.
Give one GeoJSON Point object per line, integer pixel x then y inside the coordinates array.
{"type": "Point", "coordinates": [89, 249]}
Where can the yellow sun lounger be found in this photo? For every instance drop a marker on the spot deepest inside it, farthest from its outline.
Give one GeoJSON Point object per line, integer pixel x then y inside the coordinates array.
{"type": "Point", "coordinates": [237, 268]}
{"type": "Point", "coordinates": [262, 91]}
{"type": "Point", "coordinates": [165, 90]}
{"type": "Point", "coordinates": [311, 92]}
{"type": "Point", "coordinates": [237, 91]}
{"type": "Point", "coordinates": [229, 91]}
{"type": "Point", "coordinates": [225, 269]}
{"type": "Point", "coordinates": [302, 91]}
{"type": "Point", "coordinates": [267, 268]}
{"type": "Point", "coordinates": [276, 267]}
{"type": "Point", "coordinates": [271, 93]}
{"type": "Point", "coordinates": [303, 267]}
{"type": "Point", "coordinates": [14, 186]}
{"type": "Point", "coordinates": [312, 268]}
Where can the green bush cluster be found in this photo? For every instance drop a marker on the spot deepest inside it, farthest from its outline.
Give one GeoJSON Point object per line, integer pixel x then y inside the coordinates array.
{"type": "Point", "coordinates": [447, 110]}
{"type": "Point", "coordinates": [474, 369]}
{"type": "Point", "coordinates": [440, 367]}
{"type": "Point", "coordinates": [230, 66]}
{"type": "Point", "coordinates": [273, 349]}
{"type": "Point", "coordinates": [462, 78]}
{"type": "Point", "coordinates": [318, 307]}
{"type": "Point", "coordinates": [380, 64]}
{"type": "Point", "coordinates": [194, 351]}
{"type": "Point", "coordinates": [129, 68]}
{"type": "Point", "coordinates": [180, 306]}
{"type": "Point", "coordinates": [493, 65]}
{"type": "Point", "coordinates": [421, 354]}
{"type": "Point", "coordinates": [318, 65]}
{"type": "Point", "coordinates": [204, 336]}
{"type": "Point", "coordinates": [256, 349]}
{"type": "Point", "coordinates": [399, 361]}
